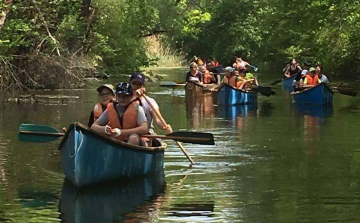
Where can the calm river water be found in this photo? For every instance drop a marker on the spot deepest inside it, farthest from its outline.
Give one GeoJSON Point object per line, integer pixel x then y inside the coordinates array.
{"type": "Point", "coordinates": [272, 162]}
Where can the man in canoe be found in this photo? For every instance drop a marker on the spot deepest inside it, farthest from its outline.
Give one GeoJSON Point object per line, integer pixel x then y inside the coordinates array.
{"type": "Point", "coordinates": [322, 77]}
{"type": "Point", "coordinates": [124, 120]}
{"type": "Point", "coordinates": [229, 76]}
{"type": "Point", "coordinates": [107, 95]}
{"type": "Point", "coordinates": [137, 82]}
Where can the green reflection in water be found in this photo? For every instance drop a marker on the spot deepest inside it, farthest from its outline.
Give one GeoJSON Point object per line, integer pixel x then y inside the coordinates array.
{"type": "Point", "coordinates": [272, 162]}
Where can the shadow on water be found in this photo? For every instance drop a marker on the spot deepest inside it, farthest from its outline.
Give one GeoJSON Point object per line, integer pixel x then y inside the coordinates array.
{"type": "Point", "coordinates": [135, 200]}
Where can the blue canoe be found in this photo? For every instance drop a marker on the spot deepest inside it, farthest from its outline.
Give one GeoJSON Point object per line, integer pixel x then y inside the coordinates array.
{"type": "Point", "coordinates": [287, 82]}
{"type": "Point", "coordinates": [319, 95]}
{"type": "Point", "coordinates": [230, 96]}
{"type": "Point", "coordinates": [88, 157]}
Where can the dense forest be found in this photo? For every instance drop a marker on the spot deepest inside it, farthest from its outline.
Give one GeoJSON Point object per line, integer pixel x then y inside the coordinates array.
{"type": "Point", "coordinates": [55, 43]}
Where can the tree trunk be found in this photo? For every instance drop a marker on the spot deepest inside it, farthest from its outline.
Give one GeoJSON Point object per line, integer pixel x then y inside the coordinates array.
{"type": "Point", "coordinates": [85, 9]}
{"type": "Point", "coordinates": [4, 13]}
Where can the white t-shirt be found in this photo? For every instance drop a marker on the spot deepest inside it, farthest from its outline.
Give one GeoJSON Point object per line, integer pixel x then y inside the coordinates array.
{"type": "Point", "coordinates": [147, 110]}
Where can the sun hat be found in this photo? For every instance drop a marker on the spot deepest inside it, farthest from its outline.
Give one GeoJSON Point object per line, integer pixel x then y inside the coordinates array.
{"type": "Point", "coordinates": [108, 86]}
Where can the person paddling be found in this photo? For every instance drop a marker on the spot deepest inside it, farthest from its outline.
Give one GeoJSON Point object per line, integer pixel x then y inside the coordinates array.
{"type": "Point", "coordinates": [137, 82]}
{"type": "Point", "coordinates": [107, 95]}
{"type": "Point", "coordinates": [124, 120]}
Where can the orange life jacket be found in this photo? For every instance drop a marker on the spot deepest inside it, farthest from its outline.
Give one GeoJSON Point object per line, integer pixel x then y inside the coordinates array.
{"type": "Point", "coordinates": [232, 81]}
{"type": "Point", "coordinates": [98, 110]}
{"type": "Point", "coordinates": [207, 78]}
{"type": "Point", "coordinates": [239, 83]}
{"type": "Point", "coordinates": [129, 118]}
{"type": "Point", "coordinates": [312, 80]}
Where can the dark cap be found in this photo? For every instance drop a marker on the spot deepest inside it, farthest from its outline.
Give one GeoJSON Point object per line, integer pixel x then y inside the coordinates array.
{"type": "Point", "coordinates": [138, 77]}
{"type": "Point", "coordinates": [108, 86]}
{"type": "Point", "coordinates": [124, 88]}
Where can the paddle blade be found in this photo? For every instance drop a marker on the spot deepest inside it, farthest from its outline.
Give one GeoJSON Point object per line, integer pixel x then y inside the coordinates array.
{"type": "Point", "coordinates": [38, 133]}
{"type": "Point", "coordinates": [193, 137]}
{"type": "Point", "coordinates": [266, 91]}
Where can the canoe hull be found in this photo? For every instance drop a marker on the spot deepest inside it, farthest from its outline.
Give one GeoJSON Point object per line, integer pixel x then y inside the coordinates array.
{"type": "Point", "coordinates": [286, 83]}
{"type": "Point", "coordinates": [319, 95]}
{"type": "Point", "coordinates": [196, 90]}
{"type": "Point", "coordinates": [90, 158]}
{"type": "Point", "coordinates": [231, 96]}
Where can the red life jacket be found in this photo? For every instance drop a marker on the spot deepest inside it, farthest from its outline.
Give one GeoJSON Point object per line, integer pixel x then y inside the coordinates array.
{"type": "Point", "coordinates": [98, 110]}
{"type": "Point", "coordinates": [129, 118]}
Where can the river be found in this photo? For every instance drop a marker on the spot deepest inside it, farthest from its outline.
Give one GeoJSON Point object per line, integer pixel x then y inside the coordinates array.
{"type": "Point", "coordinates": [271, 162]}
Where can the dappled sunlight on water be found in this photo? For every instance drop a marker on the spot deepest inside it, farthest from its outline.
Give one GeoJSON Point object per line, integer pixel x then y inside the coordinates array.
{"type": "Point", "coordinates": [273, 161]}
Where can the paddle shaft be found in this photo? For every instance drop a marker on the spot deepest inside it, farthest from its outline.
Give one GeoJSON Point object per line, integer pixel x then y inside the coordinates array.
{"type": "Point", "coordinates": [43, 133]}
{"type": "Point", "coordinates": [176, 138]}
{"type": "Point", "coordinates": [164, 123]}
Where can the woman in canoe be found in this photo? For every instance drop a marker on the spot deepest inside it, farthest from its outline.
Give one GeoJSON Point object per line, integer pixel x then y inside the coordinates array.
{"type": "Point", "coordinates": [137, 82]}
{"type": "Point", "coordinates": [124, 120]}
{"type": "Point", "coordinates": [107, 95]}
{"type": "Point", "coordinates": [292, 68]}
{"type": "Point", "coordinates": [194, 74]}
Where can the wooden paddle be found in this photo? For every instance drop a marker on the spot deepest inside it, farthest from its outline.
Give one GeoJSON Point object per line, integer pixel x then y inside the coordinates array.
{"type": "Point", "coordinates": [165, 124]}
{"type": "Point", "coordinates": [345, 90]}
{"type": "Point", "coordinates": [187, 137]}
{"type": "Point", "coordinates": [43, 133]}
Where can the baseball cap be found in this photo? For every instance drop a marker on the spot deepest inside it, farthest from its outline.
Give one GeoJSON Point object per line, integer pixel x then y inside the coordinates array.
{"type": "Point", "coordinates": [312, 69]}
{"type": "Point", "coordinates": [137, 77]}
{"type": "Point", "coordinates": [124, 88]}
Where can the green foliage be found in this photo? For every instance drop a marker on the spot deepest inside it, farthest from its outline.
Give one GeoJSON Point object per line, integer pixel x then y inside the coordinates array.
{"type": "Point", "coordinates": [112, 37]}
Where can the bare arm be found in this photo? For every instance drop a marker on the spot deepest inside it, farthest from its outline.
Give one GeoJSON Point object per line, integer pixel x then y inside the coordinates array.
{"type": "Point", "coordinates": [159, 123]}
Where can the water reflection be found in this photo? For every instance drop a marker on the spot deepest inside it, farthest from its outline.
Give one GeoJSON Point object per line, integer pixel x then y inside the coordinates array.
{"type": "Point", "coordinates": [198, 108]}
{"type": "Point", "coordinates": [232, 112]}
{"type": "Point", "coordinates": [137, 200]}
{"type": "Point", "coordinates": [314, 110]}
